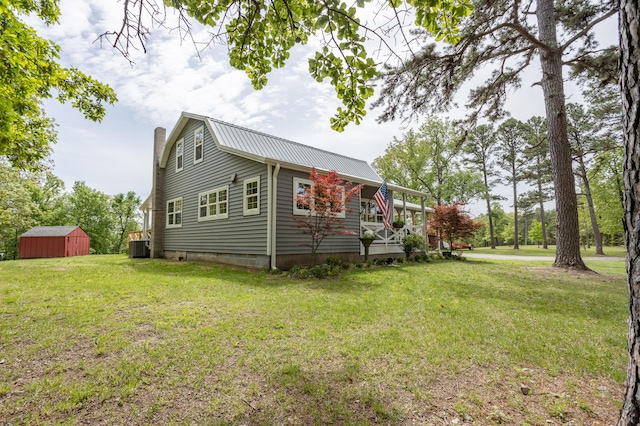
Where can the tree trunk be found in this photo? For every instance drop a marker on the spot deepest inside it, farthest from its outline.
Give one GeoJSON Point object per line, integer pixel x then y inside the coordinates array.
{"type": "Point", "coordinates": [597, 236]}
{"type": "Point", "coordinates": [630, 85]}
{"type": "Point", "coordinates": [567, 227]}
{"type": "Point", "coordinates": [543, 219]}
{"type": "Point", "coordinates": [486, 185]}
{"type": "Point", "coordinates": [516, 235]}
{"type": "Point", "coordinates": [489, 214]}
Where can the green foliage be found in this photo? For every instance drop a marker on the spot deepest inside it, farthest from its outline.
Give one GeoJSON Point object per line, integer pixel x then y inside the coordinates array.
{"type": "Point", "coordinates": [17, 209]}
{"type": "Point", "coordinates": [412, 242]}
{"type": "Point", "coordinates": [607, 188]}
{"type": "Point", "coordinates": [30, 199]}
{"type": "Point", "coordinates": [318, 271]}
{"type": "Point", "coordinates": [535, 233]}
{"type": "Point", "coordinates": [30, 72]}
{"type": "Point", "coordinates": [89, 209]}
{"type": "Point", "coordinates": [126, 215]}
{"type": "Point", "coordinates": [334, 261]}
{"type": "Point", "coordinates": [429, 160]}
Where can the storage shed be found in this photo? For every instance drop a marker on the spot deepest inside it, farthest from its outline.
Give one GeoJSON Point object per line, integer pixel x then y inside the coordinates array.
{"type": "Point", "coordinates": [53, 241]}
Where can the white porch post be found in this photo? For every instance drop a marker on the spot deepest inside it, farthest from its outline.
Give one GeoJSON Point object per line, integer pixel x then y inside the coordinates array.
{"type": "Point", "coordinates": [404, 207]}
{"type": "Point", "coordinates": [424, 225]}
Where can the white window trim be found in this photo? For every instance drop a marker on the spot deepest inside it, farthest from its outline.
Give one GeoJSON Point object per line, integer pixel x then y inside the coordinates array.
{"type": "Point", "coordinates": [195, 132]}
{"type": "Point", "coordinates": [296, 210]}
{"type": "Point", "coordinates": [174, 225]}
{"type": "Point", "coordinates": [180, 143]}
{"type": "Point", "coordinates": [303, 212]}
{"type": "Point", "coordinates": [216, 216]}
{"type": "Point", "coordinates": [245, 198]}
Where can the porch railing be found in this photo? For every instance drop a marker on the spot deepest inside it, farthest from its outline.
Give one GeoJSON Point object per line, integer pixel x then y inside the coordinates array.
{"type": "Point", "coordinates": [389, 236]}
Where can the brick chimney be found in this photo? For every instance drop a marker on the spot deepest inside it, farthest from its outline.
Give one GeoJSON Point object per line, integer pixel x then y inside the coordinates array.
{"type": "Point", "coordinates": [157, 196]}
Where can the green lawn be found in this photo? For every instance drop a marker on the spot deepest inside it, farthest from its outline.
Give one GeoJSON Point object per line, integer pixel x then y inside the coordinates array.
{"type": "Point", "coordinates": [112, 340]}
{"type": "Point", "coordinates": [534, 250]}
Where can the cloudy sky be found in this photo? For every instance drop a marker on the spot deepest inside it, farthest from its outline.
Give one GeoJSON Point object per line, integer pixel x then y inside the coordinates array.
{"type": "Point", "coordinates": [115, 156]}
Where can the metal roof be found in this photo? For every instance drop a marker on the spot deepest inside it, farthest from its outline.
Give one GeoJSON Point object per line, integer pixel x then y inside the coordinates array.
{"type": "Point", "coordinates": [49, 231]}
{"type": "Point", "coordinates": [263, 147]}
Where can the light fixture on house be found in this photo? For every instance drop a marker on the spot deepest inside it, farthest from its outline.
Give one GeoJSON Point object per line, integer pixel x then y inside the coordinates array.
{"type": "Point", "coordinates": [233, 177]}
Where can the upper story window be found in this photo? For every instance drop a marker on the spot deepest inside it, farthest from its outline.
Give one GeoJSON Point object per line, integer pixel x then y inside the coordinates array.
{"type": "Point", "coordinates": [174, 213]}
{"type": "Point", "coordinates": [300, 186]}
{"type": "Point", "coordinates": [198, 145]}
{"type": "Point", "coordinates": [251, 203]}
{"type": "Point", "coordinates": [214, 204]}
{"type": "Point", "coordinates": [179, 155]}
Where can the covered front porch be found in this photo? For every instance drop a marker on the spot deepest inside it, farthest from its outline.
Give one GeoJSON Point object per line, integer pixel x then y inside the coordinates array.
{"type": "Point", "coordinates": [413, 218]}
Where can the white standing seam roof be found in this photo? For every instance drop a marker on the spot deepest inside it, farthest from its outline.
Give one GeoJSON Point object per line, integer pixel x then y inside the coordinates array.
{"type": "Point", "coordinates": [263, 147]}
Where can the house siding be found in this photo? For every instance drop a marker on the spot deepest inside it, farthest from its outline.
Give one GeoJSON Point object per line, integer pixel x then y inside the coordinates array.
{"type": "Point", "coordinates": [236, 234]}
{"type": "Point", "coordinates": [289, 238]}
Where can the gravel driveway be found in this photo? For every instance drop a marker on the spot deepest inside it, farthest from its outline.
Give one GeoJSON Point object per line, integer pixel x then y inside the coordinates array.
{"type": "Point", "coordinates": [492, 256]}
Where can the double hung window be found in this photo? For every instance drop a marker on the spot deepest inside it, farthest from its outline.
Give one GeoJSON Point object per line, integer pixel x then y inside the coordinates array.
{"type": "Point", "coordinates": [174, 213]}
{"type": "Point", "coordinates": [251, 198]}
{"type": "Point", "coordinates": [214, 204]}
{"type": "Point", "coordinates": [179, 155]}
{"type": "Point", "coordinates": [198, 145]}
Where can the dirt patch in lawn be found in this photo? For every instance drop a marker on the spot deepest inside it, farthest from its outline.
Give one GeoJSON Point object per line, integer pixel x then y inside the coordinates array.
{"type": "Point", "coordinates": [336, 392]}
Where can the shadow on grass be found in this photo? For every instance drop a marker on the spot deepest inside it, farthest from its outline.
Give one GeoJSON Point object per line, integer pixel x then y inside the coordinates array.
{"type": "Point", "coordinates": [342, 283]}
{"type": "Point", "coordinates": [580, 295]}
{"type": "Point", "coordinates": [339, 395]}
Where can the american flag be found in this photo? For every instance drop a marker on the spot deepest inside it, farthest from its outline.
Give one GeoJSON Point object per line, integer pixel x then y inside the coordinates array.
{"type": "Point", "coordinates": [382, 200]}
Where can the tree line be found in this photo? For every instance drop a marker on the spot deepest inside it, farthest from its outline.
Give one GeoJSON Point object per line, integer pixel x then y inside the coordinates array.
{"type": "Point", "coordinates": [454, 165]}
{"type": "Point", "coordinates": [38, 198]}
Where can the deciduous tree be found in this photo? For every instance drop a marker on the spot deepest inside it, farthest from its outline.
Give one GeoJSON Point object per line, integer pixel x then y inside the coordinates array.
{"type": "Point", "coordinates": [453, 223]}
{"type": "Point", "coordinates": [125, 210]}
{"type": "Point", "coordinates": [89, 208]}
{"type": "Point", "coordinates": [17, 209]}
{"type": "Point", "coordinates": [535, 233]}
{"type": "Point", "coordinates": [30, 71]}
{"type": "Point", "coordinates": [607, 190]}
{"type": "Point", "coordinates": [325, 200]}
{"type": "Point", "coordinates": [429, 160]}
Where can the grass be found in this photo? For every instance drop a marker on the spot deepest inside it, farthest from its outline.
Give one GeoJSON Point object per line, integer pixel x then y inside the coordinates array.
{"type": "Point", "coordinates": [107, 339]}
{"type": "Point", "coordinates": [534, 250]}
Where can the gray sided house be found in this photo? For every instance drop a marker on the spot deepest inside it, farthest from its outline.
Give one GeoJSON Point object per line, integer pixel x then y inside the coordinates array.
{"type": "Point", "coordinates": [225, 193]}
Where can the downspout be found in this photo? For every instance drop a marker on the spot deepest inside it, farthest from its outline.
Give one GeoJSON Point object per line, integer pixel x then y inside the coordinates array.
{"type": "Point", "coordinates": [273, 214]}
